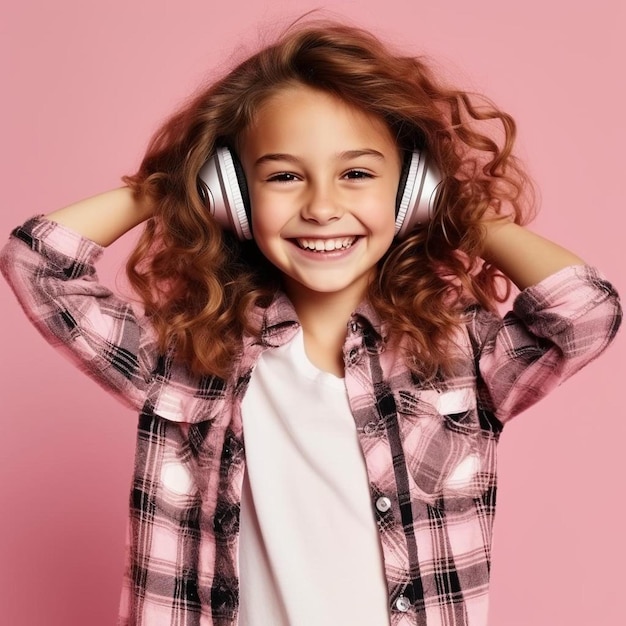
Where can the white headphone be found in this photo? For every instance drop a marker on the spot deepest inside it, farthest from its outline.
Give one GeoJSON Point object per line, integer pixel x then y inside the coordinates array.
{"type": "Point", "coordinates": [222, 186]}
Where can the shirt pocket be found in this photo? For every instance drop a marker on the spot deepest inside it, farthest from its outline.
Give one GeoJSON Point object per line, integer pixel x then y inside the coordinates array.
{"type": "Point", "coordinates": [177, 430]}
{"type": "Point", "coordinates": [451, 460]}
{"type": "Point", "coordinates": [176, 493]}
{"type": "Point", "coordinates": [166, 483]}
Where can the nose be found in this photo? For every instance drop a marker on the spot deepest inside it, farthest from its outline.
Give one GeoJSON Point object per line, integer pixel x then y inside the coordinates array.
{"type": "Point", "coordinates": [321, 205]}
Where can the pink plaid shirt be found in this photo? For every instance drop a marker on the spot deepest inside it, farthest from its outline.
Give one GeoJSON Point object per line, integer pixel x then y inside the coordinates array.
{"type": "Point", "coordinates": [429, 448]}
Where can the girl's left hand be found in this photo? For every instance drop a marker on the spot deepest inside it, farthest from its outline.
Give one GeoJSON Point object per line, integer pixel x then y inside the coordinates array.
{"type": "Point", "coordinates": [523, 256]}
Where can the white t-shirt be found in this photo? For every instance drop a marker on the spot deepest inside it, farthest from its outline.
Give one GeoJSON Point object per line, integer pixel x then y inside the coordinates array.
{"type": "Point", "coordinates": [309, 547]}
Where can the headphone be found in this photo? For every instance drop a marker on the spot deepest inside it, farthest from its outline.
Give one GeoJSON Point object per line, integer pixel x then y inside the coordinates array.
{"type": "Point", "coordinates": [222, 187]}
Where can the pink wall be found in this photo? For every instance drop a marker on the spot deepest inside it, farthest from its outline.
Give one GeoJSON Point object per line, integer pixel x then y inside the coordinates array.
{"type": "Point", "coordinates": [84, 86]}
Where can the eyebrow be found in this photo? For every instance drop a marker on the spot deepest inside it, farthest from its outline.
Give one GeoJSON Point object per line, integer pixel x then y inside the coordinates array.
{"type": "Point", "coordinates": [342, 156]}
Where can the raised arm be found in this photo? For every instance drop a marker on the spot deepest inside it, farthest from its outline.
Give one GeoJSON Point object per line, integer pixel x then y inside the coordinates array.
{"type": "Point", "coordinates": [49, 263]}
{"type": "Point", "coordinates": [564, 317]}
{"type": "Point", "coordinates": [525, 257]}
{"type": "Point", "coordinates": [105, 217]}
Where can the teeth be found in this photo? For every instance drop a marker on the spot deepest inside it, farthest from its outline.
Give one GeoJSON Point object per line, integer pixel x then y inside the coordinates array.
{"type": "Point", "coordinates": [326, 245]}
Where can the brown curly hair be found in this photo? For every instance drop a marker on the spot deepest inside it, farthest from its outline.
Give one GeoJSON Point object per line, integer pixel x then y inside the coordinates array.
{"type": "Point", "coordinates": [198, 283]}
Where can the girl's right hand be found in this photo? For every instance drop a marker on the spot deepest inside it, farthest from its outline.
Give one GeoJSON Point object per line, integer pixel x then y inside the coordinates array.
{"type": "Point", "coordinates": [105, 217]}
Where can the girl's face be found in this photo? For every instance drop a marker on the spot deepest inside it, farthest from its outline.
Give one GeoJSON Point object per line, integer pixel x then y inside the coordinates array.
{"type": "Point", "coordinates": [322, 177]}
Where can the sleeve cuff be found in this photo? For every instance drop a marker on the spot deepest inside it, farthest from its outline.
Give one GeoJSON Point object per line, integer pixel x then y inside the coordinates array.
{"type": "Point", "coordinates": [59, 244]}
{"type": "Point", "coordinates": [574, 290]}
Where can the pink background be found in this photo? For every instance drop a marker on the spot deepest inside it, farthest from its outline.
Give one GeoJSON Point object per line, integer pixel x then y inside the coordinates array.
{"type": "Point", "coordinates": [85, 84]}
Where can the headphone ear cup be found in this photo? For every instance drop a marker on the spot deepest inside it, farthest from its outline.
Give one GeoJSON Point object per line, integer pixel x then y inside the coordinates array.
{"type": "Point", "coordinates": [224, 189]}
{"type": "Point", "coordinates": [420, 181]}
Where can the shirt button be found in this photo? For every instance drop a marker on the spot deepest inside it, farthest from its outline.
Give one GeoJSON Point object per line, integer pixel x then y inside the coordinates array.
{"type": "Point", "coordinates": [354, 356]}
{"type": "Point", "coordinates": [383, 504]}
{"type": "Point", "coordinates": [403, 604]}
{"type": "Point", "coordinates": [370, 428]}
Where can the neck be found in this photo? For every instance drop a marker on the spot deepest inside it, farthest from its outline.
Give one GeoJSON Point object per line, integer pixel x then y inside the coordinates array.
{"type": "Point", "coordinates": [324, 310]}
{"type": "Point", "coordinates": [324, 318]}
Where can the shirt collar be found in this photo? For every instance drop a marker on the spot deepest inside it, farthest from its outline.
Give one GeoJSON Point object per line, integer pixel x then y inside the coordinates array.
{"type": "Point", "coordinates": [278, 323]}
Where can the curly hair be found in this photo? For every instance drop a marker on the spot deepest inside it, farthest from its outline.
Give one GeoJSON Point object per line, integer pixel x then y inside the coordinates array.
{"type": "Point", "coordinates": [199, 284]}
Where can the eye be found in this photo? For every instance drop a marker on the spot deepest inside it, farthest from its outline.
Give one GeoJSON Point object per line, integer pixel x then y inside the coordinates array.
{"type": "Point", "coordinates": [357, 175]}
{"type": "Point", "coordinates": [282, 177]}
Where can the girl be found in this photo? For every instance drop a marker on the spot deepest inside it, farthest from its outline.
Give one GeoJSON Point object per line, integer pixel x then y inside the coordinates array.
{"type": "Point", "coordinates": [320, 376]}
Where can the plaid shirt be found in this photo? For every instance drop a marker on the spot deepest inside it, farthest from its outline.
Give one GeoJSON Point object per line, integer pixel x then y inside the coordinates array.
{"type": "Point", "coordinates": [430, 449]}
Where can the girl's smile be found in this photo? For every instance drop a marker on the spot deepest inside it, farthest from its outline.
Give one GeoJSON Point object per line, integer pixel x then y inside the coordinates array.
{"type": "Point", "coordinates": [326, 245]}
{"type": "Point", "coordinates": [324, 250]}
{"type": "Point", "coordinates": [323, 178]}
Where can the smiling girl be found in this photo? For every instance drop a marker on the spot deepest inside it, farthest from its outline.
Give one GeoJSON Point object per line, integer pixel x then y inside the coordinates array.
{"type": "Point", "coordinates": [320, 375]}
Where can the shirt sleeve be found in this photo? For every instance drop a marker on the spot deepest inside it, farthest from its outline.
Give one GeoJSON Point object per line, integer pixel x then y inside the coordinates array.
{"type": "Point", "coordinates": [51, 271]}
{"type": "Point", "coordinates": [554, 329]}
